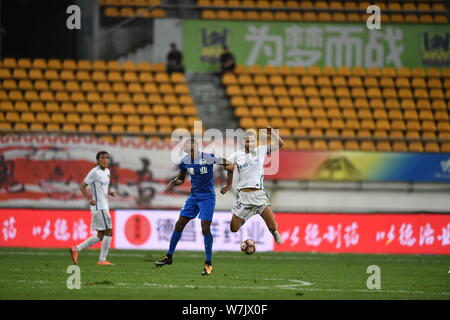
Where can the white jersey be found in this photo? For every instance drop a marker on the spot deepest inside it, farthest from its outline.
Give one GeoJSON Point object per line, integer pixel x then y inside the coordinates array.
{"type": "Point", "coordinates": [250, 167]}
{"type": "Point", "coordinates": [98, 179]}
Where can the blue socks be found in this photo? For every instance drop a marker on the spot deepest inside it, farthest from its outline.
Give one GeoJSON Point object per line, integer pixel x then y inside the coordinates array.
{"type": "Point", "coordinates": [208, 239]}
{"type": "Point", "coordinates": [173, 241]}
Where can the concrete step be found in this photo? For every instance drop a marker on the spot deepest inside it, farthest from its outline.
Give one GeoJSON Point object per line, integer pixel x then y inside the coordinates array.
{"type": "Point", "coordinates": [211, 101]}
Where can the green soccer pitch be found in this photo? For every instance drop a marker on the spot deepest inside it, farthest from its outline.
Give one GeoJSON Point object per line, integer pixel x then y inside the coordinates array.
{"type": "Point", "coordinates": [42, 274]}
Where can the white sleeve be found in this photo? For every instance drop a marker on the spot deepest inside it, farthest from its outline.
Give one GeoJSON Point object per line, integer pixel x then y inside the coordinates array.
{"type": "Point", "coordinates": [90, 178]}
{"type": "Point", "coordinates": [232, 157]}
{"type": "Point", "coordinates": [264, 149]}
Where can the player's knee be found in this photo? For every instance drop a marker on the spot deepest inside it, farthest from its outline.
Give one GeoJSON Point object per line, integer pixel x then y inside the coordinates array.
{"type": "Point", "coordinates": [206, 230]}
{"type": "Point", "coordinates": [179, 226]}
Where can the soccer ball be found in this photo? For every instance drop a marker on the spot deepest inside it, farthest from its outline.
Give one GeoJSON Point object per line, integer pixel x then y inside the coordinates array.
{"type": "Point", "coordinates": [248, 246]}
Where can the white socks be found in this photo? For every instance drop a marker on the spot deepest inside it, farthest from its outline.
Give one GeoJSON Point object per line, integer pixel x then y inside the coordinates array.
{"type": "Point", "coordinates": [87, 243]}
{"type": "Point", "coordinates": [105, 247]}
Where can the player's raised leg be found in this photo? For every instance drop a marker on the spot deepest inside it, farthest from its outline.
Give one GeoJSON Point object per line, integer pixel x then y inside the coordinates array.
{"type": "Point", "coordinates": [269, 219]}
{"type": "Point", "coordinates": [176, 236]}
{"type": "Point", "coordinates": [236, 223]}
{"type": "Point", "coordinates": [89, 242]}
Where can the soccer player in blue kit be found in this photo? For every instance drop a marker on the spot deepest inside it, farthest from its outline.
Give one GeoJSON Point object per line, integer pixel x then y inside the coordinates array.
{"type": "Point", "coordinates": [202, 200]}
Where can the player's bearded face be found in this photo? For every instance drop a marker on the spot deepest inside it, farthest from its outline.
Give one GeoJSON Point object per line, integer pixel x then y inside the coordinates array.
{"type": "Point", "coordinates": [250, 143]}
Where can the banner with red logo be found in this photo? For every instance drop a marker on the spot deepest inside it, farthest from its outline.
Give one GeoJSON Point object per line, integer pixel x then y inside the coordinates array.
{"type": "Point", "coordinates": [45, 228]}
{"type": "Point", "coordinates": [301, 232]}
{"type": "Point", "coordinates": [152, 230]}
{"type": "Point", "coordinates": [365, 233]}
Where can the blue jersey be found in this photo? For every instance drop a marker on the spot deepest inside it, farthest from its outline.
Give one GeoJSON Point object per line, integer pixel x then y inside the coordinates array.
{"type": "Point", "coordinates": [201, 172]}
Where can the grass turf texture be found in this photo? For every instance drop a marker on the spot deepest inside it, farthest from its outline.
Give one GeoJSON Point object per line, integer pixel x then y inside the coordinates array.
{"type": "Point", "coordinates": [41, 274]}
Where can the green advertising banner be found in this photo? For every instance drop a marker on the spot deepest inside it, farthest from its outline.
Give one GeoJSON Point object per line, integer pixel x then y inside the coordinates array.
{"type": "Point", "coordinates": [319, 44]}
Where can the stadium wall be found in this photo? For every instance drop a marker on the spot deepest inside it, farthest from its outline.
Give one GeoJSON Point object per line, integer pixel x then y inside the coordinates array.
{"type": "Point", "coordinates": [45, 172]}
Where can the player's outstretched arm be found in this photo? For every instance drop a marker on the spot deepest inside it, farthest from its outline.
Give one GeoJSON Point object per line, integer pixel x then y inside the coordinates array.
{"type": "Point", "coordinates": [229, 179]}
{"type": "Point", "coordinates": [277, 142]}
{"type": "Point", "coordinates": [86, 195]}
{"type": "Point", "coordinates": [176, 182]}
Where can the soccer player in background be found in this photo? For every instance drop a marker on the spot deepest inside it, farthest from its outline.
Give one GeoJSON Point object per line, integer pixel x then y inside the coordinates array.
{"type": "Point", "coordinates": [252, 199]}
{"type": "Point", "coordinates": [98, 178]}
{"type": "Point", "coordinates": [202, 200]}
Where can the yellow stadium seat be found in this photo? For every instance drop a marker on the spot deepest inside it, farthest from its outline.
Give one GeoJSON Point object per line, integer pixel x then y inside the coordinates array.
{"type": "Point", "coordinates": [6, 106]}
{"type": "Point", "coordinates": [223, 15]}
{"type": "Point", "coordinates": [445, 147]}
{"type": "Point", "coordinates": [113, 108]}
{"type": "Point", "coordinates": [295, 16]}
{"type": "Point", "coordinates": [439, 115]}
{"type": "Point", "coordinates": [252, 15]}
{"type": "Point", "coordinates": [5, 73]}
{"type": "Point", "coordinates": [310, 16]}
{"type": "Point", "coordinates": [237, 15]}
{"type": "Point", "coordinates": [335, 145]}
{"type": "Point", "coordinates": [19, 74]}
{"type": "Point", "coordinates": [415, 147]}
{"type": "Point", "coordinates": [411, 115]}
{"type": "Point", "coordinates": [303, 144]}
{"type": "Point", "coordinates": [9, 62]}
{"type": "Point", "coordinates": [37, 127]}
{"type": "Point", "coordinates": [351, 145]}
{"type": "Point", "coordinates": [440, 18]}
{"type": "Point", "coordinates": [98, 108]}
{"type": "Point", "coordinates": [399, 146]}
{"type": "Point", "coordinates": [387, 82]}
{"type": "Point", "coordinates": [429, 135]}
{"type": "Point", "coordinates": [383, 146]}
{"type": "Point", "coordinates": [24, 63]}
{"type": "Point", "coordinates": [425, 18]}
{"type": "Point", "coordinates": [413, 125]}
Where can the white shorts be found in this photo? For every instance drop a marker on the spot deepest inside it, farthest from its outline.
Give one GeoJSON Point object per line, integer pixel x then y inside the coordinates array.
{"type": "Point", "coordinates": [101, 220]}
{"type": "Point", "coordinates": [250, 203]}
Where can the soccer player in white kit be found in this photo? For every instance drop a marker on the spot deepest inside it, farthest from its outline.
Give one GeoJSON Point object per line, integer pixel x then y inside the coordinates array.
{"type": "Point", "coordinates": [252, 199]}
{"type": "Point", "coordinates": [98, 178]}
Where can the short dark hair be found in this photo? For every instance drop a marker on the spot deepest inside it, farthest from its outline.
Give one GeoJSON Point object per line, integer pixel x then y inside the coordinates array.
{"type": "Point", "coordinates": [101, 153]}
{"type": "Point", "coordinates": [173, 45]}
{"type": "Point", "coordinates": [225, 47]}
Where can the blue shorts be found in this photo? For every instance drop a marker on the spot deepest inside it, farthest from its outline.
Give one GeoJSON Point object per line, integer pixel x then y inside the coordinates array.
{"type": "Point", "coordinates": [193, 206]}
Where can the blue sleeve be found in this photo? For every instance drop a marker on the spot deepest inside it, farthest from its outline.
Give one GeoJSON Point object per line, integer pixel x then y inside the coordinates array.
{"type": "Point", "coordinates": [182, 167]}
{"type": "Point", "coordinates": [217, 160]}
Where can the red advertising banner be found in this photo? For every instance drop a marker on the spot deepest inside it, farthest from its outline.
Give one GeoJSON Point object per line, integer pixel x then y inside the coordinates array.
{"type": "Point", "coordinates": [365, 233]}
{"type": "Point", "coordinates": [301, 232]}
{"type": "Point", "coordinates": [45, 228]}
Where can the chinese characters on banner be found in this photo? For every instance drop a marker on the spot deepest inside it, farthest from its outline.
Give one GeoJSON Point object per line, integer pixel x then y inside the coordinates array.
{"type": "Point", "coordinates": [336, 45]}
{"type": "Point", "coordinates": [44, 228]}
{"type": "Point", "coordinates": [365, 233]}
{"type": "Point", "coordinates": [162, 224]}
